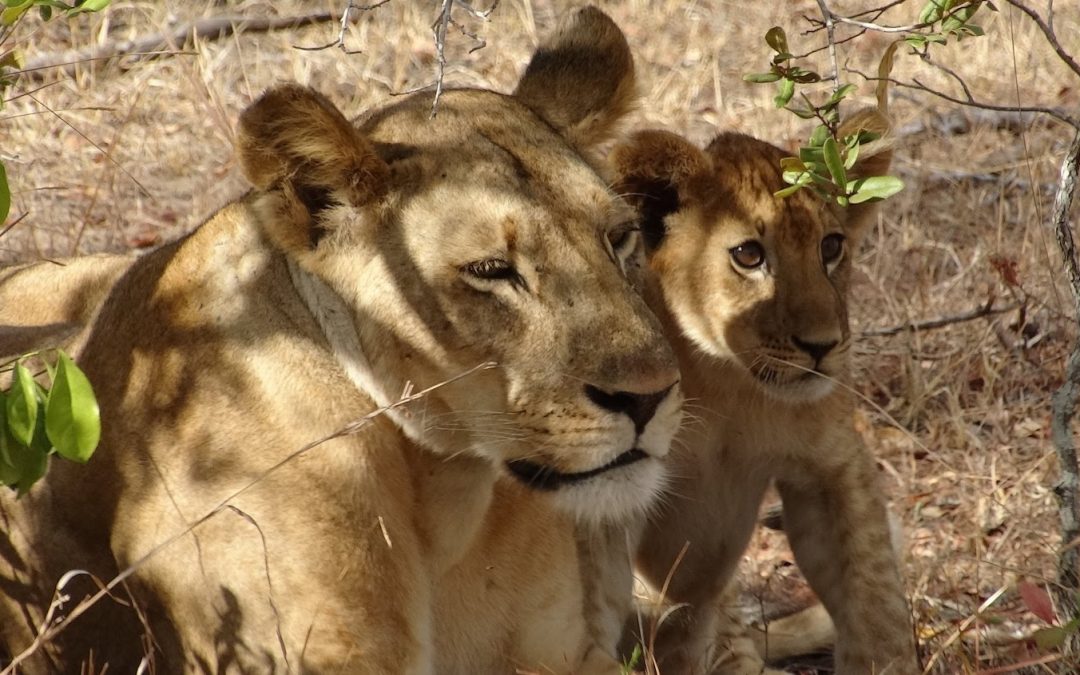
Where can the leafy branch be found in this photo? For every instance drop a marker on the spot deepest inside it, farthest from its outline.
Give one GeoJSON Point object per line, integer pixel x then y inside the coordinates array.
{"type": "Point", "coordinates": [36, 422]}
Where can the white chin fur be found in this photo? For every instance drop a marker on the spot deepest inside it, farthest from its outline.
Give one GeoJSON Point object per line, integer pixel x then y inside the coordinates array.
{"type": "Point", "coordinates": [807, 390]}
{"type": "Point", "coordinates": [617, 496]}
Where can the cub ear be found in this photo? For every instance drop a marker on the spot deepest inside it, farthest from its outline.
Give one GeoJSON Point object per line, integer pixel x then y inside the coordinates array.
{"type": "Point", "coordinates": [875, 158]}
{"type": "Point", "coordinates": [294, 136]}
{"type": "Point", "coordinates": [658, 172]}
{"type": "Point", "coordinates": [581, 79]}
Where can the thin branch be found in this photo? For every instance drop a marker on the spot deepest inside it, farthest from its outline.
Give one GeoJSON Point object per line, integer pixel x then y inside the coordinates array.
{"type": "Point", "coordinates": [439, 29]}
{"type": "Point", "coordinates": [930, 324]}
{"type": "Point", "coordinates": [346, 19]}
{"type": "Point", "coordinates": [1056, 113]}
{"type": "Point", "coordinates": [830, 32]}
{"type": "Point", "coordinates": [879, 28]}
{"type": "Point", "coordinates": [48, 632]}
{"type": "Point", "coordinates": [1047, 28]}
{"type": "Point", "coordinates": [159, 43]}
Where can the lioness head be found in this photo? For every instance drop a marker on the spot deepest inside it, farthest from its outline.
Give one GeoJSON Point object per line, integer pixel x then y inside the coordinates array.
{"type": "Point", "coordinates": [750, 278]}
{"type": "Point", "coordinates": [426, 246]}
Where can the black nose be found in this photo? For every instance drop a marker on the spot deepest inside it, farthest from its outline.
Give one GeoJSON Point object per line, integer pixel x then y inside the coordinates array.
{"type": "Point", "coordinates": [816, 350]}
{"type": "Point", "coordinates": [640, 408]}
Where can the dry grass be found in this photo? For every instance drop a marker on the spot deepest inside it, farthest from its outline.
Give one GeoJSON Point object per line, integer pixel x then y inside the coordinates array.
{"type": "Point", "coordinates": [136, 152]}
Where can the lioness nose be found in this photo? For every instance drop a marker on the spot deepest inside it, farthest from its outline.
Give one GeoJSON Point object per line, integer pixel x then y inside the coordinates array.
{"type": "Point", "coordinates": [816, 350]}
{"type": "Point", "coordinates": [640, 408]}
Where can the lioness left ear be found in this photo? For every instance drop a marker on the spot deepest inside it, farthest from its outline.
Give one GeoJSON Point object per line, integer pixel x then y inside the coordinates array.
{"type": "Point", "coordinates": [658, 172]}
{"type": "Point", "coordinates": [293, 136]}
{"type": "Point", "coordinates": [581, 79]}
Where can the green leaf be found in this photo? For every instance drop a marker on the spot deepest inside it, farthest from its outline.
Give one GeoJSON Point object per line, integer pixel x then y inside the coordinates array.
{"type": "Point", "coordinates": [5, 195]}
{"type": "Point", "coordinates": [788, 191]}
{"type": "Point", "coordinates": [834, 162]}
{"type": "Point", "coordinates": [916, 41]}
{"type": "Point", "coordinates": [22, 405]}
{"type": "Point", "coordinates": [792, 164]}
{"type": "Point", "coordinates": [72, 417]}
{"type": "Point", "coordinates": [1049, 638]}
{"type": "Point", "coordinates": [90, 6]}
{"type": "Point", "coordinates": [840, 93]}
{"type": "Point", "coordinates": [787, 90]}
{"type": "Point", "coordinates": [852, 156]}
{"type": "Point", "coordinates": [875, 187]}
{"type": "Point", "coordinates": [802, 113]}
{"type": "Point", "coordinates": [817, 139]}
{"type": "Point", "coordinates": [14, 10]}
{"type": "Point", "coordinates": [803, 76]}
{"type": "Point", "coordinates": [776, 38]}
{"type": "Point", "coordinates": [811, 155]}
{"type": "Point", "coordinates": [20, 466]}
{"type": "Point", "coordinates": [9, 475]}
{"type": "Point", "coordinates": [761, 78]}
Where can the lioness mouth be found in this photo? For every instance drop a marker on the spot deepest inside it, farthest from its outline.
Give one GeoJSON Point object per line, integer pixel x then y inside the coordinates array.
{"type": "Point", "coordinates": [548, 479]}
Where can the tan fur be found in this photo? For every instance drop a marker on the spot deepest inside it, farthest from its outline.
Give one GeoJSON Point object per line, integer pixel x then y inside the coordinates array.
{"type": "Point", "coordinates": [45, 304]}
{"type": "Point", "coordinates": [766, 408]}
{"type": "Point", "coordinates": [343, 277]}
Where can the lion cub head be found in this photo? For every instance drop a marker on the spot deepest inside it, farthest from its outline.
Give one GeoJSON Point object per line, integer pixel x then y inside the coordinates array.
{"type": "Point", "coordinates": [750, 278]}
{"type": "Point", "coordinates": [426, 246]}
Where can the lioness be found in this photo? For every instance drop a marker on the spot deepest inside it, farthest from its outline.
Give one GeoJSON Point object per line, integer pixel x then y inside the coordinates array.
{"type": "Point", "coordinates": [366, 262]}
{"type": "Point", "coordinates": [752, 291]}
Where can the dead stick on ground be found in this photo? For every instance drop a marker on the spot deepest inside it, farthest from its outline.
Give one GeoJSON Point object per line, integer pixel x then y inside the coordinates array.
{"type": "Point", "coordinates": [208, 28]}
{"type": "Point", "coordinates": [1065, 398]}
{"type": "Point", "coordinates": [941, 322]}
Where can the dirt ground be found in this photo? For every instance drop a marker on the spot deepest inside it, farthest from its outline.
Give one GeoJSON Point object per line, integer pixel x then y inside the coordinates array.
{"type": "Point", "coordinates": [127, 153]}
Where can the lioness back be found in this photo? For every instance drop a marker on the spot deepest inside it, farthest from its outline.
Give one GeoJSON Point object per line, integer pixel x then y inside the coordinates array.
{"type": "Point", "coordinates": [48, 302]}
{"type": "Point", "coordinates": [753, 292]}
{"type": "Point", "coordinates": [337, 415]}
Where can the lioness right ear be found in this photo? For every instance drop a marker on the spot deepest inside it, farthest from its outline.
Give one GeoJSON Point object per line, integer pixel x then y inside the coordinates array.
{"type": "Point", "coordinates": [581, 79]}
{"type": "Point", "coordinates": [658, 172]}
{"type": "Point", "coordinates": [294, 136]}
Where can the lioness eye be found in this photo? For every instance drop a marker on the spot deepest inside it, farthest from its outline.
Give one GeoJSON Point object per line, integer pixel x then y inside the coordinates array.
{"type": "Point", "coordinates": [749, 254]}
{"type": "Point", "coordinates": [832, 247]}
{"type": "Point", "coordinates": [623, 240]}
{"type": "Point", "coordinates": [491, 268]}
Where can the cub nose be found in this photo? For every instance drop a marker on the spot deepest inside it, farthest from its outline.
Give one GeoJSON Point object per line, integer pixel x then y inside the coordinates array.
{"type": "Point", "coordinates": [640, 408]}
{"type": "Point", "coordinates": [816, 350]}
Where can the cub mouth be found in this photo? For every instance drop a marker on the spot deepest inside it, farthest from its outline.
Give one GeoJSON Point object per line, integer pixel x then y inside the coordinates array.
{"type": "Point", "coordinates": [545, 478]}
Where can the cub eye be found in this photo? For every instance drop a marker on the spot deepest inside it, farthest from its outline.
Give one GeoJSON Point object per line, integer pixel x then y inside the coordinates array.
{"type": "Point", "coordinates": [493, 269]}
{"type": "Point", "coordinates": [832, 247]}
{"type": "Point", "coordinates": [749, 254]}
{"type": "Point", "coordinates": [623, 240]}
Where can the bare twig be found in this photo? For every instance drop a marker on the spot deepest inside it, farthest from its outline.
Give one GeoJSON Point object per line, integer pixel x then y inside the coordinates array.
{"type": "Point", "coordinates": [1056, 113]}
{"type": "Point", "coordinates": [1065, 398]}
{"type": "Point", "coordinates": [160, 43]}
{"type": "Point", "coordinates": [48, 632]}
{"type": "Point", "coordinates": [443, 21]}
{"type": "Point", "coordinates": [915, 326]}
{"type": "Point", "coordinates": [827, 15]}
{"type": "Point", "coordinates": [346, 19]}
{"type": "Point", "coordinates": [439, 29]}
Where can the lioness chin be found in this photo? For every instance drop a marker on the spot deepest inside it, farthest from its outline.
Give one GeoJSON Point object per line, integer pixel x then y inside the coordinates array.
{"type": "Point", "coordinates": [366, 261]}
{"type": "Point", "coordinates": [752, 291]}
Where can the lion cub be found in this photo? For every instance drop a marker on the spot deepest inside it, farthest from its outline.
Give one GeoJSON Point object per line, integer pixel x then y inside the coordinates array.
{"type": "Point", "coordinates": [752, 291]}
